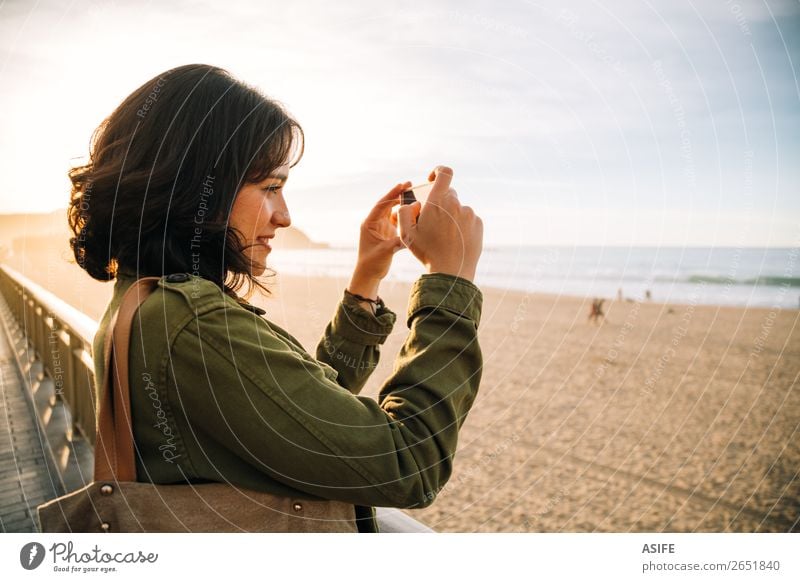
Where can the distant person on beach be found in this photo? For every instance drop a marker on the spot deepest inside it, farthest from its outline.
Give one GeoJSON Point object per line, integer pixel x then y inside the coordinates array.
{"type": "Point", "coordinates": [186, 182]}
{"type": "Point", "coordinates": [619, 294]}
{"type": "Point", "coordinates": [648, 295]}
{"type": "Point", "coordinates": [596, 314]}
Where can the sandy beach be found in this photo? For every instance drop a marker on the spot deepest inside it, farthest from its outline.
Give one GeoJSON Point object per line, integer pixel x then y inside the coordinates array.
{"type": "Point", "coordinates": [662, 418]}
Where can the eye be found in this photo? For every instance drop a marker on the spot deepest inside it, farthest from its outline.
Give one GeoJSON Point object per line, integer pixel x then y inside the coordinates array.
{"type": "Point", "coordinates": [273, 188]}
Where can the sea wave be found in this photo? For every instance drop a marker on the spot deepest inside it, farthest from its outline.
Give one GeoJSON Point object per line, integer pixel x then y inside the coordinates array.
{"type": "Point", "coordinates": [770, 281]}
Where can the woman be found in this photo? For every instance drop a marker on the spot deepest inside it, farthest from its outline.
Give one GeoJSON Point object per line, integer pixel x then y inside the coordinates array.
{"type": "Point", "coordinates": [185, 181]}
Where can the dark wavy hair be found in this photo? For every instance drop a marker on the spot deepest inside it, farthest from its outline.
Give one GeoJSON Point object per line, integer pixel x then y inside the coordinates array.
{"type": "Point", "coordinates": [164, 170]}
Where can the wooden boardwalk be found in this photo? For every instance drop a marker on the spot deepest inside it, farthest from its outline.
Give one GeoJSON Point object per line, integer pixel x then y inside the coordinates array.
{"type": "Point", "coordinates": [25, 471]}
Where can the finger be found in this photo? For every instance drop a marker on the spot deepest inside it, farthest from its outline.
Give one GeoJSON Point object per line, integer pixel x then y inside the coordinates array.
{"type": "Point", "coordinates": [384, 206]}
{"type": "Point", "coordinates": [406, 220]}
{"type": "Point", "coordinates": [396, 244]}
{"type": "Point", "coordinates": [398, 205]}
{"type": "Point", "coordinates": [441, 176]}
{"type": "Point", "coordinates": [415, 208]}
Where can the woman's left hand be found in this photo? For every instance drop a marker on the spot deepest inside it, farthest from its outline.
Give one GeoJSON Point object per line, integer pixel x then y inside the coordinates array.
{"type": "Point", "coordinates": [377, 244]}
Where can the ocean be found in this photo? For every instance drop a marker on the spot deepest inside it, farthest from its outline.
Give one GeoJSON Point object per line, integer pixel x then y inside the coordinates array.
{"type": "Point", "coordinates": [752, 277]}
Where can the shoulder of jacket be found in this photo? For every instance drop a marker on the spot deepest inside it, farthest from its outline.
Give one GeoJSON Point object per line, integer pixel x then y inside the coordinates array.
{"type": "Point", "coordinates": [196, 292]}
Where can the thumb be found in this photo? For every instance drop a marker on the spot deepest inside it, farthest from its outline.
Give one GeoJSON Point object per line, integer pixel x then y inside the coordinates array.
{"type": "Point", "coordinates": [441, 176]}
{"type": "Point", "coordinates": [407, 221]}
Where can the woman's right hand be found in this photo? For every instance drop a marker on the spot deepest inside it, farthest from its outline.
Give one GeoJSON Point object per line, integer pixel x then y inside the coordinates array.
{"type": "Point", "coordinates": [446, 237]}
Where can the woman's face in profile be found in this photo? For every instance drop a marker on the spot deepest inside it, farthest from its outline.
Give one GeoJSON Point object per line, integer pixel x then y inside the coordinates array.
{"type": "Point", "coordinates": [258, 212]}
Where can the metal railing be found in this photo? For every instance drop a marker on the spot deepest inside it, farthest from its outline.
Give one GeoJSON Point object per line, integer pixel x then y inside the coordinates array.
{"type": "Point", "coordinates": [61, 336]}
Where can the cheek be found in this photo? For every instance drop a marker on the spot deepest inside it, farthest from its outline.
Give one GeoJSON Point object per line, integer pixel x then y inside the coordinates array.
{"type": "Point", "coordinates": [236, 219]}
{"type": "Point", "coordinates": [246, 214]}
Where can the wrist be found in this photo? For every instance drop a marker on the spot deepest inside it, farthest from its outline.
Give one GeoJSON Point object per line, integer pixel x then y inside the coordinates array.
{"type": "Point", "coordinates": [468, 274]}
{"type": "Point", "coordinates": [364, 286]}
{"type": "Point", "coordinates": [365, 303]}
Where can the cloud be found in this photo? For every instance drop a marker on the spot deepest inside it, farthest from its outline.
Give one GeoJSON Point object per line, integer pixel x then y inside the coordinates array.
{"type": "Point", "coordinates": [591, 101]}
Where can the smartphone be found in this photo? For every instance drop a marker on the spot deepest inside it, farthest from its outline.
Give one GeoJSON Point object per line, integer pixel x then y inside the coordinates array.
{"type": "Point", "coordinates": [419, 192]}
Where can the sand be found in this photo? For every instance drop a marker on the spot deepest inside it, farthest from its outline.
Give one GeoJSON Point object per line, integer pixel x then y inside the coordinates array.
{"type": "Point", "coordinates": [662, 418]}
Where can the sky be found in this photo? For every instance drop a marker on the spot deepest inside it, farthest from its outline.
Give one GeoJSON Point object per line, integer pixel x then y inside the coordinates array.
{"type": "Point", "coordinates": [630, 122]}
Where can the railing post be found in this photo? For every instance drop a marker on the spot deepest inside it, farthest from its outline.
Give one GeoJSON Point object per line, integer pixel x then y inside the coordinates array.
{"type": "Point", "coordinates": [28, 326]}
{"type": "Point", "coordinates": [84, 391]}
{"type": "Point", "coordinates": [65, 344]}
{"type": "Point", "coordinates": [38, 326]}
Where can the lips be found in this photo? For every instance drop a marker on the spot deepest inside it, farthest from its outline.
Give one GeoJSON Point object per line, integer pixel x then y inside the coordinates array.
{"type": "Point", "coordinates": [264, 240]}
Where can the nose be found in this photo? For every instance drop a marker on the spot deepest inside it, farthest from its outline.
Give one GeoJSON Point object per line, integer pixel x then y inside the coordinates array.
{"type": "Point", "coordinates": [280, 217]}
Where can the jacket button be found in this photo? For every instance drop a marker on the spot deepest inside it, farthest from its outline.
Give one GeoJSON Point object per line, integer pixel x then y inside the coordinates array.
{"type": "Point", "coordinates": [106, 490]}
{"type": "Point", "coordinates": [297, 506]}
{"type": "Point", "coordinates": [178, 278]}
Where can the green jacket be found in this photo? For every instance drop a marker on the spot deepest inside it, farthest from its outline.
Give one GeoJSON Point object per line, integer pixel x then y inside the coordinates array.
{"type": "Point", "coordinates": [219, 393]}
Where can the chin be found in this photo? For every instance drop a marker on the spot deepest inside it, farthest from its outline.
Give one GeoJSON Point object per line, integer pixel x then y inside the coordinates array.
{"type": "Point", "coordinates": [259, 269]}
{"type": "Point", "coordinates": [258, 265]}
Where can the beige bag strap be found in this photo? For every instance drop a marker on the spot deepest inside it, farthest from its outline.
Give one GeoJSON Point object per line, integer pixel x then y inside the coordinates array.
{"type": "Point", "coordinates": [113, 451]}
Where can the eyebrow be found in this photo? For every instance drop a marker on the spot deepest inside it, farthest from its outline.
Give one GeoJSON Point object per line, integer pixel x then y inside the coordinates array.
{"type": "Point", "coordinates": [281, 177]}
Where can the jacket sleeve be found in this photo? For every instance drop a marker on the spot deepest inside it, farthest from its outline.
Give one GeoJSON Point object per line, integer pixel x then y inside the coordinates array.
{"type": "Point", "coordinates": [351, 342]}
{"type": "Point", "coordinates": [278, 410]}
